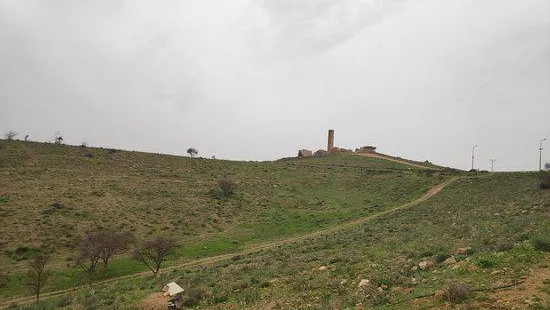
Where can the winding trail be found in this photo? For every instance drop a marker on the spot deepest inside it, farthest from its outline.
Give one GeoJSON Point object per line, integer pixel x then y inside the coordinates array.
{"type": "Point", "coordinates": [248, 250]}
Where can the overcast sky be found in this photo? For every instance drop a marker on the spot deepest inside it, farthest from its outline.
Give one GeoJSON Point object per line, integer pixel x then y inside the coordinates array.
{"type": "Point", "coordinates": [258, 80]}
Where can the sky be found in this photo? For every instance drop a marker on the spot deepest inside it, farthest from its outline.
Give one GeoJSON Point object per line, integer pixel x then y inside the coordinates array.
{"type": "Point", "coordinates": [259, 80]}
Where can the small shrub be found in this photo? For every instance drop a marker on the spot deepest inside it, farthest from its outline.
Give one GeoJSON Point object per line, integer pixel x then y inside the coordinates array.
{"type": "Point", "coordinates": [194, 296]}
{"type": "Point", "coordinates": [3, 280]}
{"type": "Point", "coordinates": [227, 186]}
{"type": "Point", "coordinates": [65, 301]}
{"type": "Point", "coordinates": [541, 243]}
{"type": "Point", "coordinates": [455, 292]}
{"type": "Point", "coordinates": [441, 258]}
{"type": "Point", "coordinates": [485, 263]}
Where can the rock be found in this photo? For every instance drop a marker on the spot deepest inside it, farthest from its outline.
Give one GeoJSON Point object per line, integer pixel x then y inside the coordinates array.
{"type": "Point", "coordinates": [304, 153]}
{"type": "Point", "coordinates": [472, 268]}
{"type": "Point", "coordinates": [322, 268]}
{"type": "Point", "coordinates": [426, 265]}
{"type": "Point", "coordinates": [439, 294]}
{"type": "Point", "coordinates": [363, 283]}
{"type": "Point", "coordinates": [450, 261]}
{"type": "Point", "coordinates": [320, 153]}
{"type": "Point", "coordinates": [463, 251]}
{"type": "Point", "coordinates": [359, 307]}
{"type": "Point", "coordinates": [400, 289]}
{"type": "Point", "coordinates": [384, 286]}
{"type": "Point", "coordinates": [343, 282]}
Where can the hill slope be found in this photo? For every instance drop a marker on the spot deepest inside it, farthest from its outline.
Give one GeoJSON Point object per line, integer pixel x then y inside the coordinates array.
{"type": "Point", "coordinates": [51, 195]}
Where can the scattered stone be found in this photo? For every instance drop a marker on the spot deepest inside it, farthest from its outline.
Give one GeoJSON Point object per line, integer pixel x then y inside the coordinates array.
{"type": "Point", "coordinates": [463, 251]}
{"type": "Point", "coordinates": [426, 265]}
{"type": "Point", "coordinates": [496, 272]}
{"type": "Point", "coordinates": [400, 289]}
{"type": "Point", "coordinates": [384, 286]}
{"type": "Point", "coordinates": [320, 153]}
{"type": "Point", "coordinates": [450, 261]}
{"type": "Point", "coordinates": [363, 283]}
{"type": "Point", "coordinates": [343, 282]}
{"type": "Point", "coordinates": [304, 153]}
{"type": "Point", "coordinates": [439, 294]}
{"type": "Point", "coordinates": [322, 268]}
{"type": "Point", "coordinates": [359, 307]}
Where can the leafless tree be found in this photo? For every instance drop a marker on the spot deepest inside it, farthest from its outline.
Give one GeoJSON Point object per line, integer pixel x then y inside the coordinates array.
{"type": "Point", "coordinates": [37, 275]}
{"type": "Point", "coordinates": [89, 253]}
{"type": "Point", "coordinates": [192, 152]}
{"type": "Point", "coordinates": [153, 252]}
{"type": "Point", "coordinates": [113, 243]}
{"type": "Point", "coordinates": [101, 246]}
{"type": "Point", "coordinates": [10, 135]}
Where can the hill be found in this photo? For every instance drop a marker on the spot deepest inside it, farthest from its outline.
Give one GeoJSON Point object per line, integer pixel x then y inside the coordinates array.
{"type": "Point", "coordinates": [296, 234]}
{"type": "Point", "coordinates": [52, 195]}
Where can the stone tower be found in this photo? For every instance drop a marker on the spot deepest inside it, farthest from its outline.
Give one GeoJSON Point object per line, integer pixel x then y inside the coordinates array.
{"type": "Point", "coordinates": [330, 140]}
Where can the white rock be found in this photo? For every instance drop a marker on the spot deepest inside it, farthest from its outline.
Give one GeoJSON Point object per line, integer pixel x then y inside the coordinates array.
{"type": "Point", "coordinates": [364, 282]}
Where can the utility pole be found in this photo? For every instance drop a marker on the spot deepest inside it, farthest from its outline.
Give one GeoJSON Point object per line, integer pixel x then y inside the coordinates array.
{"type": "Point", "coordinates": [492, 164]}
{"type": "Point", "coordinates": [473, 148]}
{"type": "Point", "coordinates": [540, 154]}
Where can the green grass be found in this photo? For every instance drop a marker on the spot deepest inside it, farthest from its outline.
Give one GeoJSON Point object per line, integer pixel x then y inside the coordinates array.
{"type": "Point", "coordinates": [503, 217]}
{"type": "Point", "coordinates": [51, 195]}
{"type": "Point", "coordinates": [496, 215]}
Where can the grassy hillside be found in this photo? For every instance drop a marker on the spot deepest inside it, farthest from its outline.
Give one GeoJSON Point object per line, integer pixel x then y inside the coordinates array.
{"type": "Point", "coordinates": [51, 195]}
{"type": "Point", "coordinates": [500, 217]}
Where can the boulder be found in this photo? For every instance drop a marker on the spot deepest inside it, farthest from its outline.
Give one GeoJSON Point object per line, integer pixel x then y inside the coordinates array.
{"type": "Point", "coordinates": [450, 261]}
{"type": "Point", "coordinates": [364, 283]}
{"type": "Point", "coordinates": [304, 153]}
{"type": "Point", "coordinates": [320, 153]}
{"type": "Point", "coordinates": [463, 251]}
{"type": "Point", "coordinates": [472, 268]}
{"type": "Point", "coordinates": [439, 294]}
{"type": "Point", "coordinates": [322, 268]}
{"type": "Point", "coordinates": [426, 265]}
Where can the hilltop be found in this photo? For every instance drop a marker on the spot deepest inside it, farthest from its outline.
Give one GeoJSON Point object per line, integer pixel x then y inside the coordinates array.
{"type": "Point", "coordinates": [286, 219]}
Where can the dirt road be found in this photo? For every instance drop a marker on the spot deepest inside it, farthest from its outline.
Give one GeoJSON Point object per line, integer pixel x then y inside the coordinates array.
{"type": "Point", "coordinates": [249, 249]}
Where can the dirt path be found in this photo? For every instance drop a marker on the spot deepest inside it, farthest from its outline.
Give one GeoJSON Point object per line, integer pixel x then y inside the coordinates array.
{"type": "Point", "coordinates": [248, 250]}
{"type": "Point", "coordinates": [387, 157]}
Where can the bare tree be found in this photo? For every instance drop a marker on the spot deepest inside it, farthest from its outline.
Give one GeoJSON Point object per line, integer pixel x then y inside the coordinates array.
{"type": "Point", "coordinates": [10, 135]}
{"type": "Point", "coordinates": [113, 243]}
{"type": "Point", "coordinates": [101, 246]}
{"type": "Point", "coordinates": [89, 253]}
{"type": "Point", "coordinates": [37, 275]}
{"type": "Point", "coordinates": [192, 152]}
{"type": "Point", "coordinates": [153, 252]}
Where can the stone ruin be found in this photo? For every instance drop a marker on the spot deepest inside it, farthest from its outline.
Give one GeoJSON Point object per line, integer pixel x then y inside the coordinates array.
{"type": "Point", "coordinates": [366, 149]}
{"type": "Point", "coordinates": [334, 149]}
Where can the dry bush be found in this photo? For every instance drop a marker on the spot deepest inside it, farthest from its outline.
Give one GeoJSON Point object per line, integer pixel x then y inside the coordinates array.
{"type": "Point", "coordinates": [455, 292]}
{"type": "Point", "coordinates": [227, 186]}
